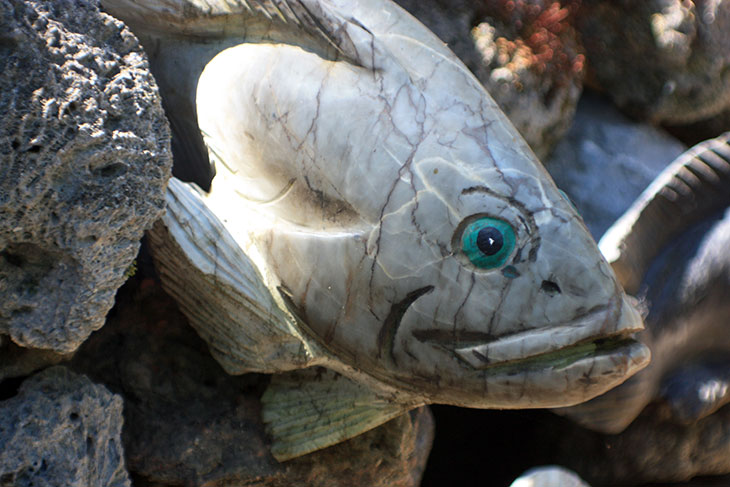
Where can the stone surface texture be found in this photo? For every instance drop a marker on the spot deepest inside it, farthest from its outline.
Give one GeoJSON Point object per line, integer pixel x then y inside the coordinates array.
{"type": "Point", "coordinates": [661, 60]}
{"type": "Point", "coordinates": [606, 160]}
{"type": "Point", "coordinates": [61, 429]}
{"type": "Point", "coordinates": [189, 423]}
{"type": "Point", "coordinates": [84, 160]}
{"type": "Point", "coordinates": [532, 64]}
{"type": "Point", "coordinates": [526, 53]}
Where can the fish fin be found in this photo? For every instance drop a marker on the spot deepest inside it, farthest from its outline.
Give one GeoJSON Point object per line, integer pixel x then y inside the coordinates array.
{"type": "Point", "coordinates": [222, 291]}
{"type": "Point", "coordinates": [315, 408]}
{"type": "Point", "coordinates": [217, 18]}
{"type": "Point", "coordinates": [692, 187]}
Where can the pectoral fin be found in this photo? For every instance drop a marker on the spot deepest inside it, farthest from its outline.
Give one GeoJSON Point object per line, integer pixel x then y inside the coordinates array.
{"type": "Point", "coordinates": [315, 408]}
{"type": "Point", "coordinates": [221, 290]}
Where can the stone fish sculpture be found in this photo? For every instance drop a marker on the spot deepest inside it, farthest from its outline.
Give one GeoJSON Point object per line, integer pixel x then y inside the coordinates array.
{"type": "Point", "coordinates": [671, 248]}
{"type": "Point", "coordinates": [374, 213]}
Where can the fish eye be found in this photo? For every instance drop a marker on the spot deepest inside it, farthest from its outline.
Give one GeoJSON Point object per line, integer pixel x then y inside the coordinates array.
{"type": "Point", "coordinates": [488, 242]}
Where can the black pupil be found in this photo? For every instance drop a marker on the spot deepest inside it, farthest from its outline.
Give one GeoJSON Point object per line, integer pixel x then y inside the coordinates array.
{"type": "Point", "coordinates": [490, 240]}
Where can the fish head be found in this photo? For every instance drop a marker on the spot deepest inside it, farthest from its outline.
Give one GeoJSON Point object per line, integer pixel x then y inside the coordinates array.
{"type": "Point", "coordinates": [478, 285]}
{"type": "Point", "coordinates": [507, 301]}
{"type": "Point", "coordinates": [411, 231]}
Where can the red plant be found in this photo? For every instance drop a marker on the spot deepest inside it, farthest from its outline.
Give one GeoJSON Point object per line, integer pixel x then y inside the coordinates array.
{"type": "Point", "coordinates": [543, 33]}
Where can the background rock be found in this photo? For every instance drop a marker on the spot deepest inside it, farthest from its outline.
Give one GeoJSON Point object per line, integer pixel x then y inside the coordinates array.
{"type": "Point", "coordinates": [652, 449]}
{"type": "Point", "coordinates": [525, 52]}
{"type": "Point", "coordinates": [532, 64]}
{"type": "Point", "coordinates": [17, 361]}
{"type": "Point", "coordinates": [84, 159]}
{"type": "Point", "coordinates": [661, 60]}
{"type": "Point", "coordinates": [60, 429]}
{"type": "Point", "coordinates": [605, 161]}
{"type": "Point", "coordinates": [189, 423]}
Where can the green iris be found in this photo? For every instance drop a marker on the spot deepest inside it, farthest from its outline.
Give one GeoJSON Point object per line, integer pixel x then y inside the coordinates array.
{"type": "Point", "coordinates": [488, 242]}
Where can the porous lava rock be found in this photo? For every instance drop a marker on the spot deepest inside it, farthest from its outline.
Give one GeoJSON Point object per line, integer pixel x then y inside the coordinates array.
{"type": "Point", "coordinates": [60, 429]}
{"type": "Point", "coordinates": [532, 64]}
{"type": "Point", "coordinates": [84, 162]}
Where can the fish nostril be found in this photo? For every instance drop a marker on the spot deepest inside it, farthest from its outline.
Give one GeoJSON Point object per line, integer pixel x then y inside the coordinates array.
{"type": "Point", "coordinates": [550, 288]}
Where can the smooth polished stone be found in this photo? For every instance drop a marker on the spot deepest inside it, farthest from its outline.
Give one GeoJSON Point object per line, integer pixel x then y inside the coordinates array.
{"type": "Point", "coordinates": [352, 154]}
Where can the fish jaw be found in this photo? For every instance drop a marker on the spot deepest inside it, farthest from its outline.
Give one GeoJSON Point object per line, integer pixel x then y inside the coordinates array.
{"type": "Point", "coordinates": [543, 342]}
{"type": "Point", "coordinates": [565, 364]}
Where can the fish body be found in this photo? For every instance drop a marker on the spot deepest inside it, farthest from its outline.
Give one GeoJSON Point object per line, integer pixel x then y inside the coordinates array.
{"type": "Point", "coordinates": [401, 232]}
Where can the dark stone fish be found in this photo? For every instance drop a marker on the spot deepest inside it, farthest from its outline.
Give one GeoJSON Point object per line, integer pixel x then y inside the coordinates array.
{"type": "Point", "coordinates": [672, 250]}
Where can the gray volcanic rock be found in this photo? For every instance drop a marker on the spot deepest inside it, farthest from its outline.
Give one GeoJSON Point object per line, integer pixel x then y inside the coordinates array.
{"type": "Point", "coordinates": [532, 64]}
{"type": "Point", "coordinates": [606, 160]}
{"type": "Point", "coordinates": [84, 161]}
{"type": "Point", "coordinates": [661, 60]}
{"type": "Point", "coordinates": [61, 430]}
{"type": "Point", "coordinates": [187, 422]}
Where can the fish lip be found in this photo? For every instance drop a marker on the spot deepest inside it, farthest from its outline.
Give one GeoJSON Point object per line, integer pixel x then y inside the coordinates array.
{"type": "Point", "coordinates": [606, 327]}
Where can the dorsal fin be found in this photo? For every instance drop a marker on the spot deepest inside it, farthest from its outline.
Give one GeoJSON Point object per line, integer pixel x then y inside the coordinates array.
{"type": "Point", "coordinates": [209, 19]}
{"type": "Point", "coordinates": [692, 187]}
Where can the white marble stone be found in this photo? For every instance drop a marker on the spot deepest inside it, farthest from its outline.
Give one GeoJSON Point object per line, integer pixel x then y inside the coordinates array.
{"type": "Point", "coordinates": [348, 182]}
{"type": "Point", "coordinates": [355, 181]}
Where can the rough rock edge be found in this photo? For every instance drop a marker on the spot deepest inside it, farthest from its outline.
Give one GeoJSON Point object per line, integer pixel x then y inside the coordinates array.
{"type": "Point", "coordinates": [61, 429]}
{"type": "Point", "coordinates": [86, 157]}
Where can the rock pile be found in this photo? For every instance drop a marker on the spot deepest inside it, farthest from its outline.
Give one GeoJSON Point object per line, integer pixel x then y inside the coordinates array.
{"type": "Point", "coordinates": [84, 162]}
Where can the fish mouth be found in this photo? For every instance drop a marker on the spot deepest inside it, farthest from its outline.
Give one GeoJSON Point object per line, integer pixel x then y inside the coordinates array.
{"type": "Point", "coordinates": [604, 331]}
